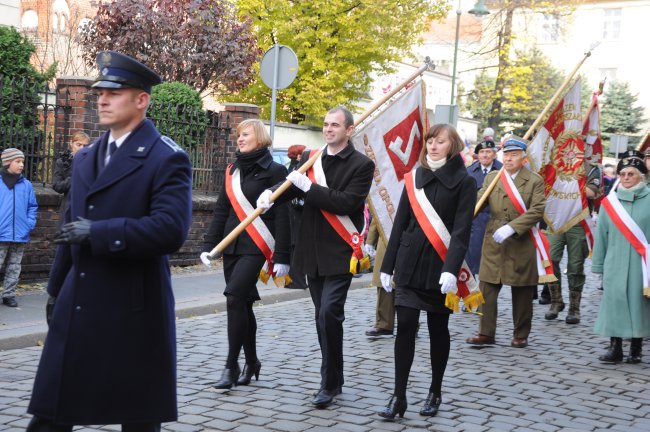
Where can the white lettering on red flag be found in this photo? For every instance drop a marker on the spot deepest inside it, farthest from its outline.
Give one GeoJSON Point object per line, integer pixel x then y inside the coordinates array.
{"type": "Point", "coordinates": [557, 154]}
{"type": "Point", "coordinates": [393, 140]}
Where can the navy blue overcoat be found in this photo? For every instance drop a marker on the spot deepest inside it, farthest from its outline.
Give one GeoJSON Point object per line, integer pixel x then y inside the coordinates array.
{"type": "Point", "coordinates": [110, 354]}
{"type": "Point", "coordinates": [473, 256]}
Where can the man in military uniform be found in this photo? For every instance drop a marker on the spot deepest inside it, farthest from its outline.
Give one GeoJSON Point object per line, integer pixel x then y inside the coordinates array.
{"type": "Point", "coordinates": [575, 241]}
{"type": "Point", "coordinates": [509, 256]}
{"type": "Point", "coordinates": [110, 353]}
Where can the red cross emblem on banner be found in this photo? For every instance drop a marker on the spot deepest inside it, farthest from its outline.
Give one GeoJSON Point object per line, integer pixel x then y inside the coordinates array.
{"type": "Point", "coordinates": [403, 143]}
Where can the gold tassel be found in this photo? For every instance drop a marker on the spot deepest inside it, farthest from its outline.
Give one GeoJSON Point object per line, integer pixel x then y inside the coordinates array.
{"type": "Point", "coordinates": [473, 300]}
{"type": "Point", "coordinates": [365, 263]}
{"type": "Point", "coordinates": [452, 302]}
{"type": "Point", "coordinates": [547, 278]}
{"type": "Point", "coordinates": [264, 276]}
{"type": "Point", "coordinates": [546, 263]}
{"type": "Point", "coordinates": [646, 292]}
{"type": "Point", "coordinates": [353, 265]}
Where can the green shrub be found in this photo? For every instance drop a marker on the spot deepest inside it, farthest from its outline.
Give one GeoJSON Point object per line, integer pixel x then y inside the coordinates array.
{"type": "Point", "coordinates": [177, 111]}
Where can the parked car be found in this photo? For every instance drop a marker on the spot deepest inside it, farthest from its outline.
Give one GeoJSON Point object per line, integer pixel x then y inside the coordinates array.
{"type": "Point", "coordinates": [280, 156]}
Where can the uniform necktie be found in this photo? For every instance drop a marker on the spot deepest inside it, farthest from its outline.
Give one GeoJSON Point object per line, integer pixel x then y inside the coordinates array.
{"type": "Point", "coordinates": [111, 149]}
{"type": "Point", "coordinates": [484, 171]}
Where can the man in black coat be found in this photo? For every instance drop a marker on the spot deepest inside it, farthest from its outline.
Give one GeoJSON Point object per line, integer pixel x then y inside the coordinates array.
{"type": "Point", "coordinates": [321, 253]}
{"type": "Point", "coordinates": [110, 353]}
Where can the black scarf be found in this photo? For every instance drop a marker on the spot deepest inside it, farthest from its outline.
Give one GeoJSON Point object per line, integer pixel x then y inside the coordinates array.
{"type": "Point", "coordinates": [247, 161]}
{"type": "Point", "coordinates": [8, 178]}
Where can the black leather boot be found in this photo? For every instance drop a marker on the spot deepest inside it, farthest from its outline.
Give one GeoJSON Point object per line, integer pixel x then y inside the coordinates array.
{"type": "Point", "coordinates": [557, 304]}
{"type": "Point", "coordinates": [615, 352]}
{"type": "Point", "coordinates": [396, 406]}
{"type": "Point", "coordinates": [635, 351]}
{"type": "Point", "coordinates": [228, 378]}
{"type": "Point", "coordinates": [248, 372]}
{"type": "Point", "coordinates": [573, 316]}
{"type": "Point", "coordinates": [431, 405]}
{"type": "Point", "coordinates": [545, 296]}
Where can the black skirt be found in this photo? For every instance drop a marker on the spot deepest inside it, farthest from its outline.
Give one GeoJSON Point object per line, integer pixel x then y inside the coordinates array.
{"type": "Point", "coordinates": [241, 273]}
{"type": "Point", "coordinates": [426, 300]}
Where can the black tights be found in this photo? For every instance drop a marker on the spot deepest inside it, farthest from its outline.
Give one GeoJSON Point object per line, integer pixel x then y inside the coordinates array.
{"type": "Point", "coordinates": [242, 330]}
{"type": "Point", "coordinates": [439, 342]}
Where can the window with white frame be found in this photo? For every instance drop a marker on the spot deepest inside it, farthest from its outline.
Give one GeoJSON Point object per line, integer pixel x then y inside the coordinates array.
{"type": "Point", "coordinates": [612, 24]}
{"type": "Point", "coordinates": [550, 28]}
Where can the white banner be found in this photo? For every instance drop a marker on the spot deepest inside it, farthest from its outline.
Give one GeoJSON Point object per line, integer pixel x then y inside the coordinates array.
{"type": "Point", "coordinates": [393, 140]}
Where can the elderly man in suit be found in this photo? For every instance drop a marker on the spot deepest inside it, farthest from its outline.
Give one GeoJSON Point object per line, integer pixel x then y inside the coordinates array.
{"type": "Point", "coordinates": [110, 354]}
{"type": "Point", "coordinates": [509, 254]}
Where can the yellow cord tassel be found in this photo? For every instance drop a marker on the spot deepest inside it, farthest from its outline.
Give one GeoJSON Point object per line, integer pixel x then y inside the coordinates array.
{"type": "Point", "coordinates": [264, 276]}
{"type": "Point", "coordinates": [473, 300]}
{"type": "Point", "coordinates": [357, 265]}
{"type": "Point", "coordinates": [452, 302]}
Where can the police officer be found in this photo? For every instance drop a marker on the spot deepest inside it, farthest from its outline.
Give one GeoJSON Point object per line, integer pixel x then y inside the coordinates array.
{"type": "Point", "coordinates": [110, 353]}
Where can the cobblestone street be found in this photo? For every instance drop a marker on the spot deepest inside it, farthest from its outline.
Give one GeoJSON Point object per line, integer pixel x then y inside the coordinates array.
{"type": "Point", "coordinates": [554, 384]}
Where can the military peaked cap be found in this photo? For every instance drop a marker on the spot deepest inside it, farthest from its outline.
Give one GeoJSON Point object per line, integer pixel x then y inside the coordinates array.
{"type": "Point", "coordinates": [117, 70]}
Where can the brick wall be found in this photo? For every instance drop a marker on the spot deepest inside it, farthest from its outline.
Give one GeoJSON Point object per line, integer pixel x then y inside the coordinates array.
{"type": "Point", "coordinates": [76, 93]}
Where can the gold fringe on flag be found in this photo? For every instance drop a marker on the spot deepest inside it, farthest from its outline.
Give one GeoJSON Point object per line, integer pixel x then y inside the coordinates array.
{"type": "Point", "coordinates": [547, 278]}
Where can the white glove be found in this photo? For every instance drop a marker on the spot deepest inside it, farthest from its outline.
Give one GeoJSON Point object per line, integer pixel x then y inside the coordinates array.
{"type": "Point", "coordinates": [264, 200]}
{"type": "Point", "coordinates": [281, 269]}
{"type": "Point", "coordinates": [205, 258]}
{"type": "Point", "coordinates": [448, 283]}
{"type": "Point", "coordinates": [300, 181]}
{"type": "Point", "coordinates": [385, 282]}
{"type": "Point", "coordinates": [503, 233]}
{"type": "Point", "coordinates": [370, 250]}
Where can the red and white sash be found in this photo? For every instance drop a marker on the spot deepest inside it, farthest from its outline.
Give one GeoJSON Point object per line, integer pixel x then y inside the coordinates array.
{"type": "Point", "coordinates": [632, 233]}
{"type": "Point", "coordinates": [544, 265]}
{"type": "Point", "coordinates": [343, 225]}
{"type": "Point", "coordinates": [257, 230]}
{"type": "Point", "coordinates": [439, 237]}
{"type": "Point", "coordinates": [589, 234]}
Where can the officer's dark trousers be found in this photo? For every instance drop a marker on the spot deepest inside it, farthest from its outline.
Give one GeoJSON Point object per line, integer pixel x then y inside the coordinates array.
{"type": "Point", "coordinates": [38, 424]}
{"type": "Point", "coordinates": [328, 294]}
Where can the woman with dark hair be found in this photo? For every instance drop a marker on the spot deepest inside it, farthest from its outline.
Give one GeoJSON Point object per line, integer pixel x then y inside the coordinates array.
{"type": "Point", "coordinates": [266, 240]}
{"type": "Point", "coordinates": [438, 200]}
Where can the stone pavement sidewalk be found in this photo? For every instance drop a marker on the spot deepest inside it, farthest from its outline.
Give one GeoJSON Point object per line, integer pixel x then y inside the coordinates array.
{"type": "Point", "coordinates": [554, 384]}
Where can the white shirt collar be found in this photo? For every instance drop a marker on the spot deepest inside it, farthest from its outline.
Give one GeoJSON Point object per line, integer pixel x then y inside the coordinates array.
{"type": "Point", "coordinates": [514, 176]}
{"type": "Point", "coordinates": [483, 167]}
{"type": "Point", "coordinates": [120, 140]}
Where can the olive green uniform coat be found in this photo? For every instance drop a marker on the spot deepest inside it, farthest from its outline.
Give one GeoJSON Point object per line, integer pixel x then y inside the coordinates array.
{"type": "Point", "coordinates": [512, 262]}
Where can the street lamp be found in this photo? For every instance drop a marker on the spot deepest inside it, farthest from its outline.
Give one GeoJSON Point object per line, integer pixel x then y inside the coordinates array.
{"type": "Point", "coordinates": [478, 10]}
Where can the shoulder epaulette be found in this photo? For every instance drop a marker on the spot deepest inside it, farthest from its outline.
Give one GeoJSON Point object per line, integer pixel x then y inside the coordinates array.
{"type": "Point", "coordinates": [171, 143]}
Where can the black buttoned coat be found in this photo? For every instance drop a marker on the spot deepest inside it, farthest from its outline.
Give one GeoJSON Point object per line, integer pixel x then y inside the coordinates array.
{"type": "Point", "coordinates": [410, 257]}
{"type": "Point", "coordinates": [110, 353]}
{"type": "Point", "coordinates": [263, 175]}
{"type": "Point", "coordinates": [320, 251]}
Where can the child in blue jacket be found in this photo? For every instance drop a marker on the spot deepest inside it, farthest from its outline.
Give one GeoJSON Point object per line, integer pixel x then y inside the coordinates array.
{"type": "Point", "coordinates": [17, 219]}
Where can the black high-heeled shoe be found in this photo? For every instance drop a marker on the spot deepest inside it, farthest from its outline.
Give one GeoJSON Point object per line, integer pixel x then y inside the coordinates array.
{"type": "Point", "coordinates": [431, 405]}
{"type": "Point", "coordinates": [396, 406]}
{"type": "Point", "coordinates": [248, 372]}
{"type": "Point", "coordinates": [228, 378]}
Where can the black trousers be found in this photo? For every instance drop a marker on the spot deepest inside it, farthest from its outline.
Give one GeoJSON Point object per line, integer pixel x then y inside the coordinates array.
{"type": "Point", "coordinates": [38, 424]}
{"type": "Point", "coordinates": [439, 344]}
{"type": "Point", "coordinates": [329, 294]}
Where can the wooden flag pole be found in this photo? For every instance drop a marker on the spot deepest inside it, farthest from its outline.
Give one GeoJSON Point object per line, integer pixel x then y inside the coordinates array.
{"type": "Point", "coordinates": [534, 126]}
{"type": "Point", "coordinates": [304, 167]}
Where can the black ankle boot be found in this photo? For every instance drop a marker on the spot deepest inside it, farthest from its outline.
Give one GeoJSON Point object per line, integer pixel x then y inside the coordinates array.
{"type": "Point", "coordinates": [248, 372]}
{"type": "Point", "coordinates": [635, 351]}
{"type": "Point", "coordinates": [431, 405]}
{"type": "Point", "coordinates": [228, 378]}
{"type": "Point", "coordinates": [615, 352]}
{"type": "Point", "coordinates": [396, 406]}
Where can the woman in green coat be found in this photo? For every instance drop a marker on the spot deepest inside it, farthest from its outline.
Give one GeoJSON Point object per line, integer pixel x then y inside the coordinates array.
{"type": "Point", "coordinates": [624, 311]}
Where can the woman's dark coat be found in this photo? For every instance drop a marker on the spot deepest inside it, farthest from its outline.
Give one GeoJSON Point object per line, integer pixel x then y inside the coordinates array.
{"type": "Point", "coordinates": [410, 257]}
{"type": "Point", "coordinates": [110, 353]}
{"type": "Point", "coordinates": [264, 174]}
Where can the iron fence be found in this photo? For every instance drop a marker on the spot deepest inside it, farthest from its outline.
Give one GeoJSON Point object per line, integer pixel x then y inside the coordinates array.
{"type": "Point", "coordinates": [37, 120]}
{"type": "Point", "coordinates": [32, 120]}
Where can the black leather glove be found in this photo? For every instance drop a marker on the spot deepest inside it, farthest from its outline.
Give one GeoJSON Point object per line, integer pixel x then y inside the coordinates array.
{"type": "Point", "coordinates": [49, 308]}
{"type": "Point", "coordinates": [74, 232]}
